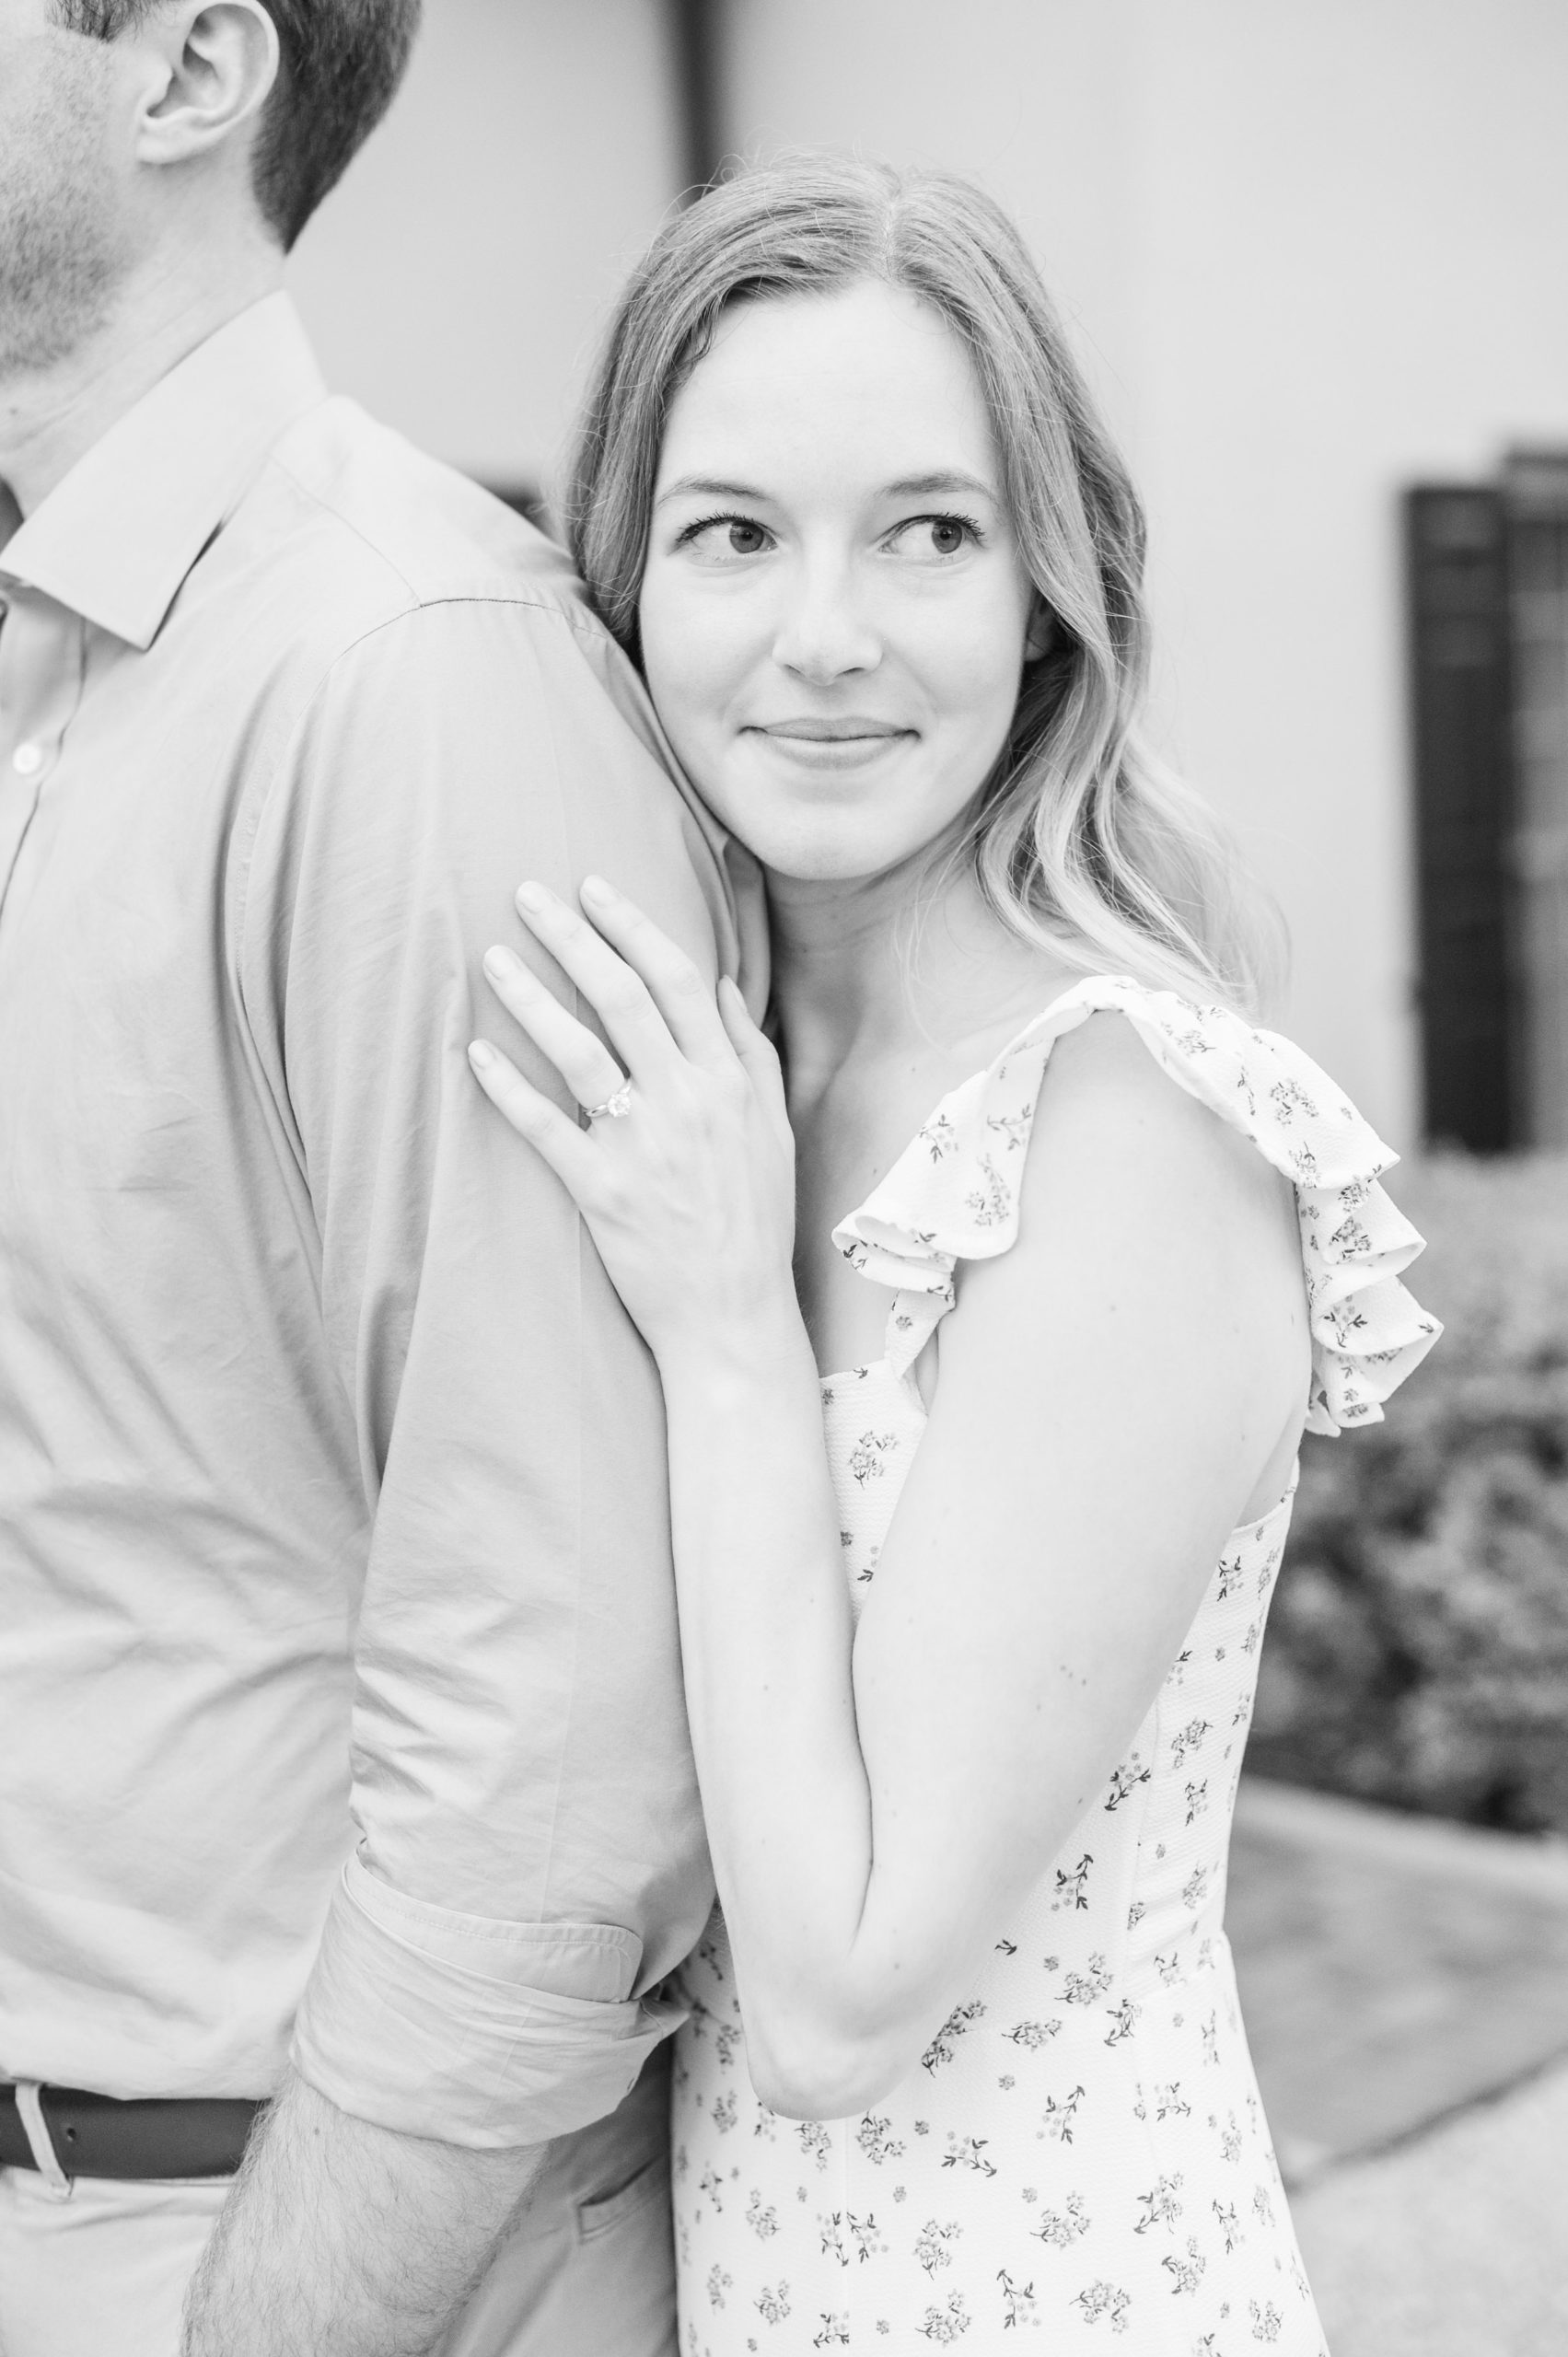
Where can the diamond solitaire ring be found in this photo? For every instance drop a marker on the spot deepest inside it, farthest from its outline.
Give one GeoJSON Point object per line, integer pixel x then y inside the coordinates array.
{"type": "Point", "coordinates": [615, 1108]}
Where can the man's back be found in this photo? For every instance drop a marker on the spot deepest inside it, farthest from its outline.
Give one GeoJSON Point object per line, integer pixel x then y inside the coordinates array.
{"type": "Point", "coordinates": [313, 1397]}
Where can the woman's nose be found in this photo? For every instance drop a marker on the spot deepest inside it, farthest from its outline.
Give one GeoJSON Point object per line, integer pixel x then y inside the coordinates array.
{"type": "Point", "coordinates": [825, 632]}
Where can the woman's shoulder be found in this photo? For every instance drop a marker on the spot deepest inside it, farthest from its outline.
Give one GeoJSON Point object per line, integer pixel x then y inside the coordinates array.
{"type": "Point", "coordinates": [955, 1192]}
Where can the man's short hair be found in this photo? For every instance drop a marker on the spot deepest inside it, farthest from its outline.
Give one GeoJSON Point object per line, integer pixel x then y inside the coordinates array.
{"type": "Point", "coordinates": [341, 62]}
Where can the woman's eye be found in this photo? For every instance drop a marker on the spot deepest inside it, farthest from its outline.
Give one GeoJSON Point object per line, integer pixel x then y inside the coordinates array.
{"type": "Point", "coordinates": [936, 536]}
{"type": "Point", "coordinates": [718, 537]}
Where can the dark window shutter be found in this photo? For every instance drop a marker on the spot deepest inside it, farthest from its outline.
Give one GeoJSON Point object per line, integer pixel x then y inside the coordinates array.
{"type": "Point", "coordinates": [1535, 485]}
{"type": "Point", "coordinates": [1456, 560]}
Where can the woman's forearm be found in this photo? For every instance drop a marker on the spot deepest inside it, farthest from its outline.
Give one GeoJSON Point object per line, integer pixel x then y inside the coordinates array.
{"type": "Point", "coordinates": [767, 1636]}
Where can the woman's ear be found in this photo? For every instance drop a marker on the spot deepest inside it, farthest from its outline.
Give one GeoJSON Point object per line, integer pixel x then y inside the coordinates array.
{"type": "Point", "coordinates": [1040, 636]}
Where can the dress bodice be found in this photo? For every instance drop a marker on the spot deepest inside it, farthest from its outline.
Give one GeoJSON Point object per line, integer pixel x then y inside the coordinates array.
{"type": "Point", "coordinates": [1081, 2146]}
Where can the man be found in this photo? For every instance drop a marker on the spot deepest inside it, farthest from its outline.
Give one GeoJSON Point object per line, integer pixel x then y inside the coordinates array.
{"type": "Point", "coordinates": [345, 1761]}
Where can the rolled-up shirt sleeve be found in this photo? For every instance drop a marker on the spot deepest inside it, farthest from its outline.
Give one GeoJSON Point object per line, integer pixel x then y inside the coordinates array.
{"type": "Point", "coordinates": [531, 1862]}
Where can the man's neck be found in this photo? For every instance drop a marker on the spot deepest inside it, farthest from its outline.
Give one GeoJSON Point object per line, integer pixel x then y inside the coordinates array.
{"type": "Point", "coordinates": [49, 417]}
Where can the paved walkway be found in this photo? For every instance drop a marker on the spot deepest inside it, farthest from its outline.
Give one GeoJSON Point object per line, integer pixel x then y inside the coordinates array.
{"type": "Point", "coordinates": [1406, 1988]}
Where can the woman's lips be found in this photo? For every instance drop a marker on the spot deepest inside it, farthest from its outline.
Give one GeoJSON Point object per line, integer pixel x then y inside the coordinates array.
{"type": "Point", "coordinates": [841, 744]}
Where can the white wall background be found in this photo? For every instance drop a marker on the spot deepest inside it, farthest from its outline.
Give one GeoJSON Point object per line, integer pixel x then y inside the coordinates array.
{"type": "Point", "coordinates": [455, 280]}
{"type": "Point", "coordinates": [1315, 250]}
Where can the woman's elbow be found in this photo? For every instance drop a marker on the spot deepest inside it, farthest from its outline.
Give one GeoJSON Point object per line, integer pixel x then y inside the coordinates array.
{"type": "Point", "coordinates": [805, 2067]}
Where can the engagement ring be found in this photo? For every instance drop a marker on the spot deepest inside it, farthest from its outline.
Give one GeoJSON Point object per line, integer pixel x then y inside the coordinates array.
{"type": "Point", "coordinates": [614, 1107]}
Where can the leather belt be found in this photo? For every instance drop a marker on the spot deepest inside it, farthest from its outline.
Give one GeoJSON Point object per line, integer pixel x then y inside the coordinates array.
{"type": "Point", "coordinates": [147, 2137]}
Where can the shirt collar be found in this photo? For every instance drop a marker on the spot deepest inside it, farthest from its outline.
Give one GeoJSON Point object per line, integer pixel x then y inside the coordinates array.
{"type": "Point", "coordinates": [116, 536]}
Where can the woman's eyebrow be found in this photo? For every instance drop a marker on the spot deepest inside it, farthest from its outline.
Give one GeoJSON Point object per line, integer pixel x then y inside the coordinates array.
{"type": "Point", "coordinates": [710, 487]}
{"type": "Point", "coordinates": [933, 487]}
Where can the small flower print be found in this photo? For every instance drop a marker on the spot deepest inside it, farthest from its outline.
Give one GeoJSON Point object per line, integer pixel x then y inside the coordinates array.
{"type": "Point", "coordinates": [866, 2237]}
{"type": "Point", "coordinates": [1185, 2273]}
{"type": "Point", "coordinates": [940, 2050]}
{"type": "Point", "coordinates": [944, 2325]}
{"type": "Point", "coordinates": [1266, 2320]}
{"type": "Point", "coordinates": [712, 2187]}
{"type": "Point", "coordinates": [1123, 2022]}
{"type": "Point", "coordinates": [1072, 1882]}
{"type": "Point", "coordinates": [867, 1459]}
{"type": "Point", "coordinates": [834, 2333]}
{"type": "Point", "coordinates": [939, 1137]}
{"type": "Point", "coordinates": [1189, 1738]}
{"type": "Point", "coordinates": [877, 2141]}
{"type": "Point", "coordinates": [1289, 1098]}
{"type": "Point", "coordinates": [1230, 2226]}
{"type": "Point", "coordinates": [1263, 2208]}
{"type": "Point", "coordinates": [1195, 1890]}
{"type": "Point", "coordinates": [1078, 1990]}
{"type": "Point", "coordinates": [1170, 2103]}
{"type": "Point", "coordinates": [815, 2140]}
{"type": "Point", "coordinates": [1058, 2117]}
{"type": "Point", "coordinates": [726, 2039]}
{"type": "Point", "coordinates": [1104, 2300]}
{"type": "Point", "coordinates": [932, 2247]}
{"type": "Point", "coordinates": [772, 2303]}
{"type": "Point", "coordinates": [761, 2216]}
{"type": "Point", "coordinates": [719, 2285]}
{"type": "Point", "coordinates": [968, 2152]}
{"type": "Point", "coordinates": [1062, 2228]}
{"type": "Point", "coordinates": [1197, 1800]}
{"type": "Point", "coordinates": [1013, 1129]}
{"type": "Point", "coordinates": [1124, 1783]}
{"type": "Point", "coordinates": [1018, 2301]}
{"type": "Point", "coordinates": [724, 2113]}
{"type": "Point", "coordinates": [991, 1201]}
{"type": "Point", "coordinates": [831, 2229]}
{"type": "Point", "coordinates": [1032, 2035]}
{"type": "Point", "coordinates": [1159, 2206]}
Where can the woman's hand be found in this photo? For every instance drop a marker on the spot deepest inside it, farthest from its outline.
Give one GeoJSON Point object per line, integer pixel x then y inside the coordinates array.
{"type": "Point", "coordinates": [688, 1193]}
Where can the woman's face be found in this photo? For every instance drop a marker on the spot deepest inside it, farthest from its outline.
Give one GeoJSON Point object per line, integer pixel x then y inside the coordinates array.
{"type": "Point", "coordinates": [834, 611]}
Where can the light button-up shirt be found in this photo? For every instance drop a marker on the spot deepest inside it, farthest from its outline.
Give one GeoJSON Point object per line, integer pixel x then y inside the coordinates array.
{"type": "Point", "coordinates": [338, 1676]}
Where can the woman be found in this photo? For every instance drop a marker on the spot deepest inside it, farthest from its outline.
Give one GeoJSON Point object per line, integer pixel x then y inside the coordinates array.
{"type": "Point", "coordinates": [968, 1687]}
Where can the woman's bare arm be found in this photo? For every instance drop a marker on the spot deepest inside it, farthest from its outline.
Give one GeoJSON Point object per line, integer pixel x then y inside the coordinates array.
{"type": "Point", "coordinates": [1112, 1392]}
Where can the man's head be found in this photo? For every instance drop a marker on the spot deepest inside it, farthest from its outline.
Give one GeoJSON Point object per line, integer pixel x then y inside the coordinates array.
{"type": "Point", "coordinates": [129, 124]}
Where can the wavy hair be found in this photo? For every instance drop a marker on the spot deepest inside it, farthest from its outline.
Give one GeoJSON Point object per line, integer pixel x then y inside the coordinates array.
{"type": "Point", "coordinates": [1080, 838]}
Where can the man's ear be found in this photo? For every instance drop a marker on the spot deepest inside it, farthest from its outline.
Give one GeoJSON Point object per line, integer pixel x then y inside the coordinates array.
{"type": "Point", "coordinates": [211, 67]}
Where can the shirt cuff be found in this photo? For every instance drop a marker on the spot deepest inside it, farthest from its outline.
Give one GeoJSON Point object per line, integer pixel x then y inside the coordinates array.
{"type": "Point", "coordinates": [475, 2032]}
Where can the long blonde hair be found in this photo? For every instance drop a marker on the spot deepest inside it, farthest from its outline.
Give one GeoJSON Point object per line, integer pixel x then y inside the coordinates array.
{"type": "Point", "coordinates": [1080, 837]}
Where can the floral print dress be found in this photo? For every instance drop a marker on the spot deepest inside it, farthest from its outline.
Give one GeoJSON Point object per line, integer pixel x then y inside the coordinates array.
{"type": "Point", "coordinates": [1080, 2152]}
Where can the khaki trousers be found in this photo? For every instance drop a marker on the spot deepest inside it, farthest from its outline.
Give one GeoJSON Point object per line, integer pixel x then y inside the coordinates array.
{"type": "Point", "coordinates": [589, 2273]}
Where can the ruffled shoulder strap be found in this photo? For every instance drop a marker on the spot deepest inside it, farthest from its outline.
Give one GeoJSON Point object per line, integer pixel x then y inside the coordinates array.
{"type": "Point", "coordinates": [953, 1193]}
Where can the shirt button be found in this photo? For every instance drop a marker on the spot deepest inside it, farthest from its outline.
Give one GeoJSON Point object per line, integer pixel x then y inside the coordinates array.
{"type": "Point", "coordinates": [26, 759]}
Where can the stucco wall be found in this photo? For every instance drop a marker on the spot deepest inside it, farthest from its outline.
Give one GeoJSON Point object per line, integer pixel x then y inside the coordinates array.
{"type": "Point", "coordinates": [455, 280]}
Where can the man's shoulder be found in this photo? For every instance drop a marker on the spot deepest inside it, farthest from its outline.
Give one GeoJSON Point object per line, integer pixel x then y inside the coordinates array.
{"type": "Point", "coordinates": [378, 529]}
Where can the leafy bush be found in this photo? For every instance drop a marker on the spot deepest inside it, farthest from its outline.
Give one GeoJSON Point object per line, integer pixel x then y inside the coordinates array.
{"type": "Point", "coordinates": [1418, 1647]}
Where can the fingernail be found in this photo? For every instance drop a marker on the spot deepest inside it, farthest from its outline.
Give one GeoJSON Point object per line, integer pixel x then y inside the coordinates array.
{"type": "Point", "coordinates": [594, 888]}
{"type": "Point", "coordinates": [499, 962]}
{"type": "Point", "coordinates": [479, 1054]}
{"type": "Point", "coordinates": [532, 896]}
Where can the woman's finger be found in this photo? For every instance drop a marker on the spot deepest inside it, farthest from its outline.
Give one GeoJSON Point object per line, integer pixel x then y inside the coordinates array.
{"type": "Point", "coordinates": [568, 1150]}
{"type": "Point", "coordinates": [579, 1055]}
{"type": "Point", "coordinates": [615, 991]}
{"type": "Point", "coordinates": [677, 985]}
{"type": "Point", "coordinates": [758, 1057]}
